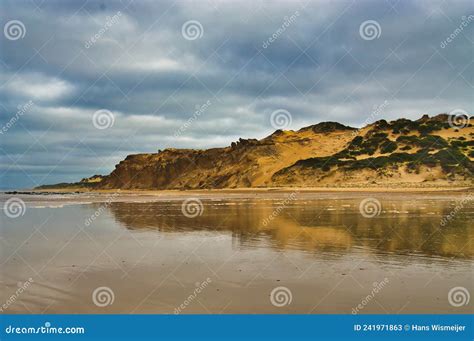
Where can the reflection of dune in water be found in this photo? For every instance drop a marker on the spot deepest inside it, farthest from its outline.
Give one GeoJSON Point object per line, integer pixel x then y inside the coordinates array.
{"type": "Point", "coordinates": [402, 226]}
{"type": "Point", "coordinates": [287, 234]}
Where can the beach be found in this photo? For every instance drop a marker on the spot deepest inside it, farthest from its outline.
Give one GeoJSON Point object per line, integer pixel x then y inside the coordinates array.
{"type": "Point", "coordinates": [237, 251]}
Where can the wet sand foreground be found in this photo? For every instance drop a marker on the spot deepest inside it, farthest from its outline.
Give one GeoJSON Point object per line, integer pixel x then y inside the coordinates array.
{"type": "Point", "coordinates": [238, 252]}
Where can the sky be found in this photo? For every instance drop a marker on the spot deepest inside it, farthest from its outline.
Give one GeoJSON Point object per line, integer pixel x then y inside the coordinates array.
{"type": "Point", "coordinates": [85, 83]}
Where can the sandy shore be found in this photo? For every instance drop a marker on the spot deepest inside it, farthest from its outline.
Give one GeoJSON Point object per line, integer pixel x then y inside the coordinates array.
{"type": "Point", "coordinates": [258, 190]}
{"type": "Point", "coordinates": [247, 242]}
{"type": "Point", "coordinates": [67, 196]}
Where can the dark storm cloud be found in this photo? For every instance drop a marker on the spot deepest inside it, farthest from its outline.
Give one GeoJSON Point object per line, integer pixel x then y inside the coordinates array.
{"type": "Point", "coordinates": [253, 57]}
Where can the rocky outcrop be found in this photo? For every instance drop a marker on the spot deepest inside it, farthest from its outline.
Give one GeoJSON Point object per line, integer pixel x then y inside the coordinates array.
{"type": "Point", "coordinates": [427, 150]}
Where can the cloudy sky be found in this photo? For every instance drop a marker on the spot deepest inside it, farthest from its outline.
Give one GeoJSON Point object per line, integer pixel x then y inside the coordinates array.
{"type": "Point", "coordinates": [84, 83]}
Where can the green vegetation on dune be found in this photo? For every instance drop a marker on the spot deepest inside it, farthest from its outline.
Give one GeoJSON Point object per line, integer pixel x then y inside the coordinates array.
{"type": "Point", "coordinates": [433, 151]}
{"type": "Point", "coordinates": [449, 159]}
{"type": "Point", "coordinates": [424, 126]}
{"type": "Point", "coordinates": [427, 141]}
{"type": "Point", "coordinates": [361, 146]}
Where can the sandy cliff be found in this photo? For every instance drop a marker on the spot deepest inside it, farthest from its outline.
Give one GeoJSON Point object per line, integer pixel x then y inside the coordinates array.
{"type": "Point", "coordinates": [428, 151]}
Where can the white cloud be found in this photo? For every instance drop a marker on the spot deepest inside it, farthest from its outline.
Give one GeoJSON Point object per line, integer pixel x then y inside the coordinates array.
{"type": "Point", "coordinates": [39, 87]}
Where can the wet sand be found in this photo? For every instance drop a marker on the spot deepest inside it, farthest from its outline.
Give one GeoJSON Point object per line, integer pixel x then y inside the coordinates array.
{"type": "Point", "coordinates": [238, 249]}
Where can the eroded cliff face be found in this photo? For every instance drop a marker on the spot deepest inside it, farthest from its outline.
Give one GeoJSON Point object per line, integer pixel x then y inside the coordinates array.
{"type": "Point", "coordinates": [425, 151]}
{"type": "Point", "coordinates": [171, 168]}
{"type": "Point", "coordinates": [246, 163]}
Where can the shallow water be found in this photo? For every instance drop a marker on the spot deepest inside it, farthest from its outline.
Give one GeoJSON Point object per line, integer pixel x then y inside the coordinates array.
{"type": "Point", "coordinates": [237, 249]}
